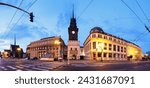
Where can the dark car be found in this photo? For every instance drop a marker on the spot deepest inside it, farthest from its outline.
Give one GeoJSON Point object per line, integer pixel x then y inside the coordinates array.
{"type": "Point", "coordinates": [34, 58]}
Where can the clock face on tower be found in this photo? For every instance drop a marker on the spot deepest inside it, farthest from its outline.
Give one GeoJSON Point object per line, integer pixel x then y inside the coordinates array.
{"type": "Point", "coordinates": [73, 32]}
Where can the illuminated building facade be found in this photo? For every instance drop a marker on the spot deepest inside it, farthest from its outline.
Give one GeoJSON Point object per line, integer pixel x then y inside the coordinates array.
{"type": "Point", "coordinates": [100, 46]}
{"type": "Point", "coordinates": [54, 46]}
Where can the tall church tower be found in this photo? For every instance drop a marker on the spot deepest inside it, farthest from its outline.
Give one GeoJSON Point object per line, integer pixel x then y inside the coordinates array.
{"type": "Point", "coordinates": [73, 43]}
{"type": "Point", "coordinates": [73, 30]}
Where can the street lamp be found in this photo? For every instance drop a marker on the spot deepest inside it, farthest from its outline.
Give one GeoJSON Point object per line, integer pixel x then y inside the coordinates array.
{"type": "Point", "coordinates": [100, 47]}
{"type": "Point", "coordinates": [5, 54]}
{"type": "Point", "coordinates": [19, 52]}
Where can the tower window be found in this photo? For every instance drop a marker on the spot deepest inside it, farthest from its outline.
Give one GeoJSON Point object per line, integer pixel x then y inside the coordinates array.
{"type": "Point", "coordinates": [76, 49]}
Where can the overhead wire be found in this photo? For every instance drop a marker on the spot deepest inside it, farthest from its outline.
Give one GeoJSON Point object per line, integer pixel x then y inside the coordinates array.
{"type": "Point", "coordinates": [13, 17]}
{"type": "Point", "coordinates": [147, 29]}
{"type": "Point", "coordinates": [21, 17]}
{"type": "Point", "coordinates": [141, 34]}
{"type": "Point", "coordinates": [90, 2]}
{"type": "Point", "coordinates": [142, 10]}
{"type": "Point", "coordinates": [133, 12]}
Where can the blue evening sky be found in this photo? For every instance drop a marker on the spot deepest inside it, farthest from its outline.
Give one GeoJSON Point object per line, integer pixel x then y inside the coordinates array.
{"type": "Point", "coordinates": [52, 18]}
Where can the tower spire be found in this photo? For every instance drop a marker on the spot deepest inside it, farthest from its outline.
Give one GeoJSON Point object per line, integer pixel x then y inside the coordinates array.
{"type": "Point", "coordinates": [14, 39]}
{"type": "Point", "coordinates": [73, 10]}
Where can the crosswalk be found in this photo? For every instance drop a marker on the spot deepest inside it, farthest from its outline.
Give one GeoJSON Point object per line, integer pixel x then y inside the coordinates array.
{"type": "Point", "coordinates": [29, 67]}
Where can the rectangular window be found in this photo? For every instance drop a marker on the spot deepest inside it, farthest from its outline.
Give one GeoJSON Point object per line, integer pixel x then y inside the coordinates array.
{"type": "Point", "coordinates": [118, 55]}
{"type": "Point", "coordinates": [121, 49]}
{"type": "Point", "coordinates": [110, 38]}
{"type": "Point", "coordinates": [114, 40]}
{"type": "Point", "coordinates": [105, 37]}
{"type": "Point", "coordinates": [110, 46]}
{"type": "Point", "coordinates": [114, 47]}
{"type": "Point", "coordinates": [99, 36]}
{"type": "Point", "coordinates": [114, 55]}
{"type": "Point", "coordinates": [121, 55]}
{"type": "Point", "coordinates": [93, 35]}
{"type": "Point", "coordinates": [118, 48]}
{"type": "Point", "coordinates": [94, 45]}
{"type": "Point", "coordinates": [124, 56]}
{"type": "Point", "coordinates": [110, 55]}
{"type": "Point", "coordinates": [124, 49]}
{"type": "Point", "coordinates": [99, 54]}
{"type": "Point", "coordinates": [105, 46]}
{"type": "Point", "coordinates": [105, 54]}
{"type": "Point", "coordinates": [75, 49]}
{"type": "Point", "coordinates": [94, 55]}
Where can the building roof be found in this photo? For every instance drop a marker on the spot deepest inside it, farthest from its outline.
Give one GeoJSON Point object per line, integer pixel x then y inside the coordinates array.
{"type": "Point", "coordinates": [49, 37]}
{"type": "Point", "coordinates": [100, 30]}
{"type": "Point", "coordinates": [96, 30]}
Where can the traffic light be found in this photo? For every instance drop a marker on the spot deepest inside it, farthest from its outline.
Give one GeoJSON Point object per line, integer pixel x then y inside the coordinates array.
{"type": "Point", "coordinates": [31, 16]}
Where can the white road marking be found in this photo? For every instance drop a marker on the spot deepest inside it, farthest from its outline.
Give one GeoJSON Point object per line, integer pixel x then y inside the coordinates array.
{"type": "Point", "coordinates": [12, 67]}
{"type": "Point", "coordinates": [40, 69]}
{"type": "Point", "coordinates": [3, 68]}
{"type": "Point", "coordinates": [45, 67]}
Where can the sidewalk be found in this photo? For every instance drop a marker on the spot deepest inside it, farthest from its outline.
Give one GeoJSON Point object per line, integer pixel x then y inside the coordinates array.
{"type": "Point", "coordinates": [104, 62]}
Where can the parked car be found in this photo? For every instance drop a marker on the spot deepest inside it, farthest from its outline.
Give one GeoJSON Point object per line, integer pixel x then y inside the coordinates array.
{"type": "Point", "coordinates": [60, 59]}
{"type": "Point", "coordinates": [34, 58]}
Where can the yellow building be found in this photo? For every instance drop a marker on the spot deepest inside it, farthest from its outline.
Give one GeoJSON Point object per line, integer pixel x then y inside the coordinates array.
{"type": "Point", "coordinates": [54, 46]}
{"type": "Point", "coordinates": [100, 46]}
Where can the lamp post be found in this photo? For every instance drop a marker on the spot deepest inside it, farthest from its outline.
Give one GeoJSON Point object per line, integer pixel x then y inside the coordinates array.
{"type": "Point", "coordinates": [5, 54]}
{"type": "Point", "coordinates": [19, 52]}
